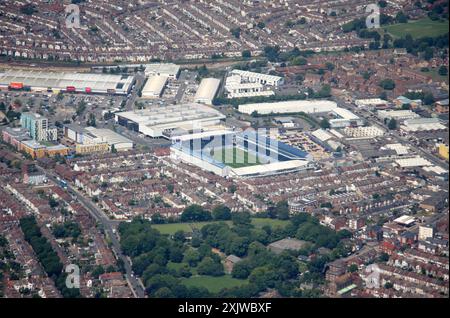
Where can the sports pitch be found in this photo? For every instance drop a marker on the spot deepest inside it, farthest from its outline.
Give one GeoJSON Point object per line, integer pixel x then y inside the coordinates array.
{"type": "Point", "coordinates": [420, 28]}
{"type": "Point", "coordinates": [235, 157]}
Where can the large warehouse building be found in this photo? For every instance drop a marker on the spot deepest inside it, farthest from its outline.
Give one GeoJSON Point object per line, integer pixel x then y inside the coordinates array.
{"type": "Point", "coordinates": [239, 154]}
{"type": "Point", "coordinates": [295, 106]}
{"type": "Point", "coordinates": [264, 79]}
{"type": "Point", "coordinates": [95, 136]}
{"type": "Point", "coordinates": [162, 121]}
{"type": "Point", "coordinates": [154, 86]}
{"type": "Point", "coordinates": [67, 81]}
{"type": "Point", "coordinates": [207, 91]}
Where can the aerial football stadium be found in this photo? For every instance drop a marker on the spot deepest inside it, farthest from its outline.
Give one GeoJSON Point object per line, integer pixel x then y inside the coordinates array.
{"type": "Point", "coordinates": [239, 154]}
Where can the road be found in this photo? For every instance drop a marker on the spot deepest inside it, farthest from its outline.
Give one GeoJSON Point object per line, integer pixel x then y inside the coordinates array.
{"type": "Point", "coordinates": [109, 227]}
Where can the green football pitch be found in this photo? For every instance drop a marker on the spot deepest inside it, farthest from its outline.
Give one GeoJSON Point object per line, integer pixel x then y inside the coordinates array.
{"type": "Point", "coordinates": [419, 28]}
{"type": "Point", "coordinates": [235, 157]}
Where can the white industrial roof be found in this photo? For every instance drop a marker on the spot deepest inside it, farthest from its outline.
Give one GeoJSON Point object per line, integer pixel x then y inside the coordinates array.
{"type": "Point", "coordinates": [168, 69]}
{"type": "Point", "coordinates": [172, 117]}
{"type": "Point", "coordinates": [322, 134]}
{"type": "Point", "coordinates": [207, 90]}
{"type": "Point", "coordinates": [154, 86]}
{"type": "Point", "coordinates": [413, 162]}
{"type": "Point", "coordinates": [266, 77]}
{"type": "Point", "coordinates": [370, 101]}
{"type": "Point", "coordinates": [423, 124]}
{"type": "Point", "coordinates": [60, 80]}
{"type": "Point", "coordinates": [407, 114]}
{"type": "Point", "coordinates": [399, 148]}
{"type": "Point", "coordinates": [345, 113]}
{"type": "Point", "coordinates": [295, 106]}
{"type": "Point", "coordinates": [435, 169]}
{"type": "Point", "coordinates": [405, 219]}
{"type": "Point", "coordinates": [108, 135]}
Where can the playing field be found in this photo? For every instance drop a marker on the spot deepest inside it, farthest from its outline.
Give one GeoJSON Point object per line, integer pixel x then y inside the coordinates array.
{"type": "Point", "coordinates": [418, 29]}
{"type": "Point", "coordinates": [213, 284]}
{"type": "Point", "coordinates": [235, 157]}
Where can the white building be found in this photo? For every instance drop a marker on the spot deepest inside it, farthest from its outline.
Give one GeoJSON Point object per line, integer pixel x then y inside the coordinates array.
{"type": "Point", "coordinates": [41, 81]}
{"type": "Point", "coordinates": [345, 118]}
{"type": "Point", "coordinates": [207, 90]}
{"type": "Point", "coordinates": [397, 114]}
{"type": "Point", "coordinates": [296, 106]}
{"type": "Point", "coordinates": [237, 87]}
{"type": "Point", "coordinates": [422, 124]}
{"type": "Point", "coordinates": [363, 132]}
{"type": "Point", "coordinates": [114, 140]}
{"type": "Point", "coordinates": [154, 86]}
{"type": "Point", "coordinates": [163, 69]}
{"type": "Point", "coordinates": [264, 79]}
{"type": "Point", "coordinates": [370, 102]}
{"type": "Point", "coordinates": [425, 232]}
{"type": "Point", "coordinates": [161, 121]}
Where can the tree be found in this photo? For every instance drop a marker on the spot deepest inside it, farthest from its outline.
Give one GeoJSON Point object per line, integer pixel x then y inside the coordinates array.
{"type": "Point", "coordinates": [392, 125]}
{"type": "Point", "coordinates": [179, 236]}
{"type": "Point", "coordinates": [238, 246]}
{"type": "Point", "coordinates": [92, 121]}
{"type": "Point", "coordinates": [246, 54]}
{"type": "Point", "coordinates": [241, 270]}
{"type": "Point", "coordinates": [443, 71]}
{"type": "Point", "coordinates": [209, 267]}
{"type": "Point", "coordinates": [163, 292]}
{"type": "Point", "coordinates": [330, 66]}
{"type": "Point", "coordinates": [401, 17]}
{"type": "Point", "coordinates": [428, 53]}
{"type": "Point", "coordinates": [192, 257]}
{"type": "Point", "coordinates": [241, 218]}
{"type": "Point", "coordinates": [221, 212]}
{"type": "Point", "coordinates": [387, 84]}
{"type": "Point", "coordinates": [236, 32]}
{"type": "Point", "coordinates": [353, 268]}
{"type": "Point", "coordinates": [382, 3]}
{"type": "Point", "coordinates": [261, 25]}
{"type": "Point", "coordinates": [195, 213]}
{"type": "Point", "coordinates": [325, 124]}
{"type": "Point", "coordinates": [282, 210]}
{"type": "Point", "coordinates": [428, 98]}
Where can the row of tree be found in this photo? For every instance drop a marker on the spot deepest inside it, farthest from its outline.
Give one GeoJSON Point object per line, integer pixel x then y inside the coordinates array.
{"type": "Point", "coordinates": [47, 256]}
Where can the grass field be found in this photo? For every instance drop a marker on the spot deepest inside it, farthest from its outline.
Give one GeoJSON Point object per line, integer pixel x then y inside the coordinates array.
{"type": "Point", "coordinates": [213, 284]}
{"type": "Point", "coordinates": [417, 29]}
{"type": "Point", "coordinates": [435, 75]}
{"type": "Point", "coordinates": [235, 157]}
{"type": "Point", "coordinates": [170, 229]}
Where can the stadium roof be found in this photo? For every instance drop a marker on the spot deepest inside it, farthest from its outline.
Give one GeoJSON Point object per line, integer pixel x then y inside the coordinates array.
{"type": "Point", "coordinates": [205, 134]}
{"type": "Point", "coordinates": [270, 167]}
